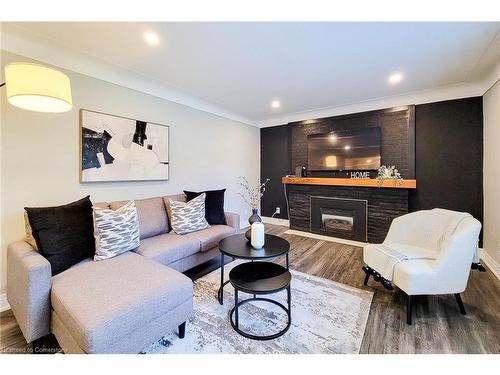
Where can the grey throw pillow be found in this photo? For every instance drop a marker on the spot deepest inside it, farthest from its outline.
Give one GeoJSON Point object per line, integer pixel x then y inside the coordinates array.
{"type": "Point", "coordinates": [115, 232]}
{"type": "Point", "coordinates": [188, 217]}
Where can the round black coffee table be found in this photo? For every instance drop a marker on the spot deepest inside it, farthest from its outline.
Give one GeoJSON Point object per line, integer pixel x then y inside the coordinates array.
{"type": "Point", "coordinates": [260, 278]}
{"type": "Point", "coordinates": [238, 247]}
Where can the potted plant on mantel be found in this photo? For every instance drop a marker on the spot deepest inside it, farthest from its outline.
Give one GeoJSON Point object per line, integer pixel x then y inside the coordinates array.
{"type": "Point", "coordinates": [251, 196]}
{"type": "Point", "coordinates": [389, 173]}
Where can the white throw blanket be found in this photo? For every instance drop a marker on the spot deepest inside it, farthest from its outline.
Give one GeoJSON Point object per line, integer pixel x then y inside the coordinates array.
{"type": "Point", "coordinates": [388, 256]}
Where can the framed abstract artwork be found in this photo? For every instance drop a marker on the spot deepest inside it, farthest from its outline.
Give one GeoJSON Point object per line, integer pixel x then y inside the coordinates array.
{"type": "Point", "coordinates": [115, 148]}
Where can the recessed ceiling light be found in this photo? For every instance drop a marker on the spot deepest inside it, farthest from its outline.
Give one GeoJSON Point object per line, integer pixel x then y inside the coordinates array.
{"type": "Point", "coordinates": [395, 78]}
{"type": "Point", "coordinates": [347, 147]}
{"type": "Point", "coordinates": [151, 38]}
{"type": "Point", "coordinates": [275, 104]}
{"type": "Point", "coordinates": [332, 137]}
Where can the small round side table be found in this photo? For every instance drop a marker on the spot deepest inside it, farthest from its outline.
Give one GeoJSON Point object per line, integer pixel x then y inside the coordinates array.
{"type": "Point", "coordinates": [238, 247]}
{"type": "Point", "coordinates": [260, 278]}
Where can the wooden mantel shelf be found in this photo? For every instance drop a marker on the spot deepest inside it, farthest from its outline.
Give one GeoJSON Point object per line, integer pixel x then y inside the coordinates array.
{"type": "Point", "coordinates": [360, 182]}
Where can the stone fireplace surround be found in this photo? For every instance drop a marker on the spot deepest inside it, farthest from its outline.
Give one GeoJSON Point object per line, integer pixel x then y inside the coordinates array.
{"type": "Point", "coordinates": [383, 205]}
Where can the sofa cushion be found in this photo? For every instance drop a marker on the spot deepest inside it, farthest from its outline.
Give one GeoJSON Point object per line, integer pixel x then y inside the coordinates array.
{"type": "Point", "coordinates": [29, 232]}
{"type": "Point", "coordinates": [100, 204]}
{"type": "Point", "coordinates": [214, 205]}
{"type": "Point", "coordinates": [64, 235]}
{"type": "Point", "coordinates": [102, 302]}
{"type": "Point", "coordinates": [187, 217]}
{"type": "Point", "coordinates": [153, 219]}
{"type": "Point", "coordinates": [174, 197]}
{"type": "Point", "coordinates": [168, 248]}
{"type": "Point", "coordinates": [115, 231]}
{"type": "Point", "coordinates": [210, 237]}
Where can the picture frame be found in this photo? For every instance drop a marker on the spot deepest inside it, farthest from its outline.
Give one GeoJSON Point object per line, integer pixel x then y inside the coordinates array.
{"type": "Point", "coordinates": [116, 148]}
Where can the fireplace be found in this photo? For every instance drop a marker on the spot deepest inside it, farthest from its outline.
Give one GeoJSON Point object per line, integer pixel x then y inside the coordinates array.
{"type": "Point", "coordinates": [339, 217]}
{"type": "Point", "coordinates": [337, 222]}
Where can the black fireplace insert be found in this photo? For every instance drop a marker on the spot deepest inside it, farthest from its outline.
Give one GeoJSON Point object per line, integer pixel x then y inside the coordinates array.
{"type": "Point", "coordinates": [339, 217]}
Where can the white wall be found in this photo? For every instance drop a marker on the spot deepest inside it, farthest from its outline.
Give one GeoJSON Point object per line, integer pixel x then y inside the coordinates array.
{"type": "Point", "coordinates": [40, 153]}
{"type": "Point", "coordinates": [491, 113]}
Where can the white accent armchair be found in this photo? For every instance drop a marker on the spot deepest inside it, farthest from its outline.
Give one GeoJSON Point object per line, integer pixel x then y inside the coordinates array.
{"type": "Point", "coordinates": [431, 253]}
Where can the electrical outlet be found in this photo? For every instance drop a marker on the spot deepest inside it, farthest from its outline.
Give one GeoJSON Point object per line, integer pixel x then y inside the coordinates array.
{"type": "Point", "coordinates": [278, 210]}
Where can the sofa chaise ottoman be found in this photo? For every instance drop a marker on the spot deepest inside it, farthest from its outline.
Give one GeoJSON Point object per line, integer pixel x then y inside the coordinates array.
{"type": "Point", "coordinates": [117, 305]}
{"type": "Point", "coordinates": [120, 305]}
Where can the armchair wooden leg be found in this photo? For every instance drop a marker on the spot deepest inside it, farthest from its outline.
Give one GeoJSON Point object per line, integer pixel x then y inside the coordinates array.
{"type": "Point", "coordinates": [182, 330]}
{"type": "Point", "coordinates": [478, 266]}
{"type": "Point", "coordinates": [460, 303]}
{"type": "Point", "coordinates": [367, 270]}
{"type": "Point", "coordinates": [367, 277]}
{"type": "Point", "coordinates": [377, 277]}
{"type": "Point", "coordinates": [408, 310]}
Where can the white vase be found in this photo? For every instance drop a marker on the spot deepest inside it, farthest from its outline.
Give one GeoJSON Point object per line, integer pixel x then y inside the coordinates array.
{"type": "Point", "coordinates": [257, 235]}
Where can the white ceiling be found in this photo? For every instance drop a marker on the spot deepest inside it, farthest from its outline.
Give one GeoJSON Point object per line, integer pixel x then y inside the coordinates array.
{"type": "Point", "coordinates": [241, 67]}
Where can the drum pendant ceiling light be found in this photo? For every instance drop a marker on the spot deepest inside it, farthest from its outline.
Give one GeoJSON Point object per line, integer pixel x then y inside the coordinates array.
{"type": "Point", "coordinates": [37, 88]}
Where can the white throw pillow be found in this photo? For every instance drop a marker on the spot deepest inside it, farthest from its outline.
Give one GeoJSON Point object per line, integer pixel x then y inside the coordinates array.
{"type": "Point", "coordinates": [188, 217]}
{"type": "Point", "coordinates": [115, 231]}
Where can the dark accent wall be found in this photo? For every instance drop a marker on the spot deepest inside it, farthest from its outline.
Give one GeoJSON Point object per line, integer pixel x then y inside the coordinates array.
{"type": "Point", "coordinates": [274, 164]}
{"type": "Point", "coordinates": [397, 126]}
{"type": "Point", "coordinates": [448, 157]}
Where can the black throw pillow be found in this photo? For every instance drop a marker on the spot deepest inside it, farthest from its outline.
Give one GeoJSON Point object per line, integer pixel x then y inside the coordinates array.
{"type": "Point", "coordinates": [214, 205]}
{"type": "Point", "coordinates": [64, 235]}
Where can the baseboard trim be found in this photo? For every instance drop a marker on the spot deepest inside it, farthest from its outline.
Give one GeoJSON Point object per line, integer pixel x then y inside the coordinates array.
{"type": "Point", "coordinates": [490, 262]}
{"type": "Point", "coordinates": [4, 304]}
{"type": "Point", "coordinates": [326, 238]}
{"type": "Point", "coordinates": [275, 221]}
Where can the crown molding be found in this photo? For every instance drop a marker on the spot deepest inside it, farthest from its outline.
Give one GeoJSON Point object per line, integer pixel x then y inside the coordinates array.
{"type": "Point", "coordinates": [22, 43]}
{"type": "Point", "coordinates": [491, 79]}
{"type": "Point", "coordinates": [456, 91]}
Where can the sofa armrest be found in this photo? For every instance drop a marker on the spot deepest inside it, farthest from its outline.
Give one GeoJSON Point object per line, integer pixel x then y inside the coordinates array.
{"type": "Point", "coordinates": [233, 220]}
{"type": "Point", "coordinates": [29, 280]}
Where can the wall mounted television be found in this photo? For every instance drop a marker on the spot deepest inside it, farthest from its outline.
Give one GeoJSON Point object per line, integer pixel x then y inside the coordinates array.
{"type": "Point", "coordinates": [354, 149]}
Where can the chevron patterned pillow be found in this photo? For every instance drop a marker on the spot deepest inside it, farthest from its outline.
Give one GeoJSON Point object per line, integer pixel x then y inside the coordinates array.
{"type": "Point", "coordinates": [188, 217]}
{"type": "Point", "coordinates": [115, 231]}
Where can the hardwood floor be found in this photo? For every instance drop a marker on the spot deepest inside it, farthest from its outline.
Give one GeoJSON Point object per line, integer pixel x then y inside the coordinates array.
{"type": "Point", "coordinates": [11, 339]}
{"type": "Point", "coordinates": [438, 326]}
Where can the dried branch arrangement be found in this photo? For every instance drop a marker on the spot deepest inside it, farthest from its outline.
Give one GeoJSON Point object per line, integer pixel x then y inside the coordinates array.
{"type": "Point", "coordinates": [252, 194]}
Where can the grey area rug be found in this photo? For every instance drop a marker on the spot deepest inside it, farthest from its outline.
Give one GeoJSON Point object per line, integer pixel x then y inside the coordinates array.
{"type": "Point", "coordinates": [327, 317]}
